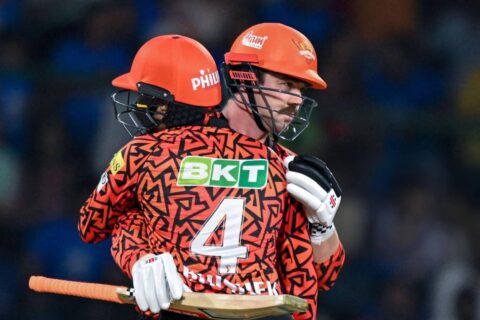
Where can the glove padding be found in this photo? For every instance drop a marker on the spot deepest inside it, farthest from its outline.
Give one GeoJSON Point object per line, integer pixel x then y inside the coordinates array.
{"type": "Point", "coordinates": [156, 282]}
{"type": "Point", "coordinates": [311, 183]}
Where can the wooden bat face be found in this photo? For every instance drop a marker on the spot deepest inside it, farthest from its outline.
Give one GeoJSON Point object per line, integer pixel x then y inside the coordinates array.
{"type": "Point", "coordinates": [228, 306]}
{"type": "Point", "coordinates": [202, 305]}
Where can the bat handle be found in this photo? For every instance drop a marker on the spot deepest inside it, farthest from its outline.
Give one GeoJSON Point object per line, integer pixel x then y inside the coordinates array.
{"type": "Point", "coordinates": [104, 292]}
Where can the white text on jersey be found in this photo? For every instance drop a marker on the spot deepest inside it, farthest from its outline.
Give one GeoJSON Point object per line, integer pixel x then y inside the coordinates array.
{"type": "Point", "coordinates": [219, 283]}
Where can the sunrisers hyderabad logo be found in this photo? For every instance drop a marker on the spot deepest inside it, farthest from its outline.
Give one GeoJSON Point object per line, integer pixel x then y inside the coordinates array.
{"type": "Point", "coordinates": [305, 49]}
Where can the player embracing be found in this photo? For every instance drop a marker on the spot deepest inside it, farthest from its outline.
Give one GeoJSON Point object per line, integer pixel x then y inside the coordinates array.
{"type": "Point", "coordinates": [204, 202]}
{"type": "Point", "coordinates": [267, 70]}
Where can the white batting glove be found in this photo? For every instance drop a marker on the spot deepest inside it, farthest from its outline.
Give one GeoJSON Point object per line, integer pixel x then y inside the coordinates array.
{"type": "Point", "coordinates": [311, 183]}
{"type": "Point", "coordinates": [156, 282]}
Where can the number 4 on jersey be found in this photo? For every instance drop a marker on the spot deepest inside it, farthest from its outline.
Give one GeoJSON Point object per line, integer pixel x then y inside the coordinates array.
{"type": "Point", "coordinates": [230, 251]}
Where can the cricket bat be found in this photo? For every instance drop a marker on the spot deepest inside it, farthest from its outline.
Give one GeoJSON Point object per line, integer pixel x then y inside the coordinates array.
{"type": "Point", "coordinates": [201, 305]}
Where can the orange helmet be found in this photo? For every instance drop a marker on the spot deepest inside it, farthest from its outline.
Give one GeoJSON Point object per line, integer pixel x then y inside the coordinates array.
{"type": "Point", "coordinates": [278, 48]}
{"type": "Point", "coordinates": [169, 70]}
{"type": "Point", "coordinates": [180, 65]}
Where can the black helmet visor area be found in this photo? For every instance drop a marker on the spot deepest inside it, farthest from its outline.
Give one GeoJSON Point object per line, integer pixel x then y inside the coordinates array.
{"type": "Point", "coordinates": [136, 110]}
{"type": "Point", "coordinates": [246, 80]}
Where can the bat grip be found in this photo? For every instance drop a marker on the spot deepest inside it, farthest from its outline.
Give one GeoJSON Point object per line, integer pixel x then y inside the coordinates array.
{"type": "Point", "coordinates": [104, 292]}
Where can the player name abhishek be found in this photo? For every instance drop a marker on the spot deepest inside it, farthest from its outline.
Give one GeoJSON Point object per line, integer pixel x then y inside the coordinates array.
{"type": "Point", "coordinates": [220, 283]}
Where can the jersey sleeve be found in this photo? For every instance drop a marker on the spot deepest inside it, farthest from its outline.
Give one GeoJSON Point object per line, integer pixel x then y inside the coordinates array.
{"type": "Point", "coordinates": [328, 270]}
{"type": "Point", "coordinates": [296, 267]}
{"type": "Point", "coordinates": [114, 194]}
{"type": "Point", "coordinates": [130, 241]}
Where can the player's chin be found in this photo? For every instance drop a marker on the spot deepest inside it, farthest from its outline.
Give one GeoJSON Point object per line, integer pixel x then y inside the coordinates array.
{"type": "Point", "coordinates": [281, 126]}
{"type": "Point", "coordinates": [284, 120]}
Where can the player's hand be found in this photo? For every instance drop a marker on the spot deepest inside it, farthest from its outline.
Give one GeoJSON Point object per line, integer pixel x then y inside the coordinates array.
{"type": "Point", "coordinates": [156, 282]}
{"type": "Point", "coordinates": [311, 182]}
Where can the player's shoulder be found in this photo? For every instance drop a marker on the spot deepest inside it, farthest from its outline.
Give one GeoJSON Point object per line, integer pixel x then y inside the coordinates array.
{"type": "Point", "coordinates": [284, 152]}
{"type": "Point", "coordinates": [145, 139]}
{"type": "Point", "coordinates": [214, 134]}
{"type": "Point", "coordinates": [144, 143]}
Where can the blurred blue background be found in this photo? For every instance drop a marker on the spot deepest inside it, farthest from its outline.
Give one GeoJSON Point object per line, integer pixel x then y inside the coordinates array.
{"type": "Point", "coordinates": [398, 125]}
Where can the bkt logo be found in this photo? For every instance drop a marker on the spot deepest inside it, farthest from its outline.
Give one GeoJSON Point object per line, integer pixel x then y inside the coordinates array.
{"type": "Point", "coordinates": [225, 173]}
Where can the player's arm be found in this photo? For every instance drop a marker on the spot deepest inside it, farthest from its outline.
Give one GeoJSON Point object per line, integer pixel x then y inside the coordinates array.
{"type": "Point", "coordinates": [114, 194]}
{"type": "Point", "coordinates": [155, 277]}
{"type": "Point", "coordinates": [311, 182]}
{"type": "Point", "coordinates": [328, 266]}
{"type": "Point", "coordinates": [327, 248]}
{"type": "Point", "coordinates": [296, 268]}
{"type": "Point", "coordinates": [130, 241]}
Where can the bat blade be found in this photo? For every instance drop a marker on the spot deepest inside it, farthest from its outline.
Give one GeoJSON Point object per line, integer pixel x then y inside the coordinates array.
{"type": "Point", "coordinates": [202, 305]}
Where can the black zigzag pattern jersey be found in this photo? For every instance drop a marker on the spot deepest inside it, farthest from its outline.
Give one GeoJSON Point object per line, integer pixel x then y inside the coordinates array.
{"type": "Point", "coordinates": [217, 201]}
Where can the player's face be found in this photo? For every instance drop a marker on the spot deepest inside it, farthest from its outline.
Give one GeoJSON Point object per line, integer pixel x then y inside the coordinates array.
{"type": "Point", "coordinates": [284, 104]}
{"type": "Point", "coordinates": [159, 115]}
{"type": "Point", "coordinates": [160, 112]}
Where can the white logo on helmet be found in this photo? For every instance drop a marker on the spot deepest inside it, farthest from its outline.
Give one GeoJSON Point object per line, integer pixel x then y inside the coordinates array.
{"type": "Point", "coordinates": [205, 80]}
{"type": "Point", "coordinates": [307, 55]}
{"type": "Point", "coordinates": [253, 41]}
{"type": "Point", "coordinates": [305, 49]}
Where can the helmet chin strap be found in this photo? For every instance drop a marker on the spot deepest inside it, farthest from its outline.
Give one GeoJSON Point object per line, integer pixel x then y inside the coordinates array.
{"type": "Point", "coordinates": [253, 105]}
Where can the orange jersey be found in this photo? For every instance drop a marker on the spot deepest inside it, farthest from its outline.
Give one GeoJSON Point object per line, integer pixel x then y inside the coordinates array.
{"type": "Point", "coordinates": [217, 201]}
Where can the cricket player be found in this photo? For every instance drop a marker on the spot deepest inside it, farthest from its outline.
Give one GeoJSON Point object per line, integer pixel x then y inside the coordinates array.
{"type": "Point", "coordinates": [212, 204]}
